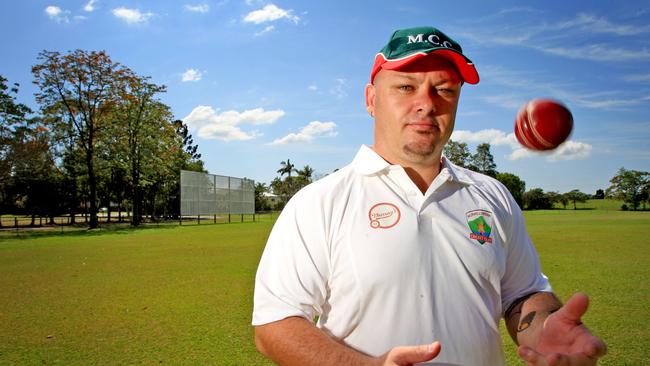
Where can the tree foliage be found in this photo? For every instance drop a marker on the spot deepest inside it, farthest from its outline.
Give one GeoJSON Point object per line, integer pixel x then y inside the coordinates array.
{"type": "Point", "coordinates": [457, 153]}
{"type": "Point", "coordinates": [536, 199]}
{"type": "Point", "coordinates": [631, 186]}
{"type": "Point", "coordinates": [482, 161]}
{"type": "Point", "coordinates": [576, 196]}
{"type": "Point", "coordinates": [113, 141]}
{"type": "Point", "coordinates": [77, 92]}
{"type": "Point", "coordinates": [515, 185]}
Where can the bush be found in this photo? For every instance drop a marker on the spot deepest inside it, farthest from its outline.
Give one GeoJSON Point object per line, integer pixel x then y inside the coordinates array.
{"type": "Point", "coordinates": [624, 207]}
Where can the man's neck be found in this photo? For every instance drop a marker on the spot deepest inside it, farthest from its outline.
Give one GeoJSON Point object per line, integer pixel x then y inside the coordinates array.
{"type": "Point", "coordinates": [422, 173]}
{"type": "Point", "coordinates": [423, 177]}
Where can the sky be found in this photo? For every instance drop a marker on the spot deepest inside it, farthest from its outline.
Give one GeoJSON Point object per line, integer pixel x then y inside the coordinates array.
{"type": "Point", "coordinates": [260, 82]}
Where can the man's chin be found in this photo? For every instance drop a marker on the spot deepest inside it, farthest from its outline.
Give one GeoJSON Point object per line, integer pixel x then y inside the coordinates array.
{"type": "Point", "coordinates": [422, 151]}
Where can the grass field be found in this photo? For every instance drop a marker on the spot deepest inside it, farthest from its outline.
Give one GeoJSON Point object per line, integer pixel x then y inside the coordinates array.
{"type": "Point", "coordinates": [182, 295]}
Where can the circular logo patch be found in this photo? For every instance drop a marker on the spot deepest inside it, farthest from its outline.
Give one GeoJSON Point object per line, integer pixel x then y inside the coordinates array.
{"type": "Point", "coordinates": [383, 215]}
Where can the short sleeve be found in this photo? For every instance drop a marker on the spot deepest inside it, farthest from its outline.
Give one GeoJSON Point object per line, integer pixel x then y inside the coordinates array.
{"type": "Point", "coordinates": [523, 273]}
{"type": "Point", "coordinates": [291, 279]}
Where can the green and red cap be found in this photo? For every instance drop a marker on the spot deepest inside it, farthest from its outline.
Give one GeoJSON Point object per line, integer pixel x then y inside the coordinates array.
{"type": "Point", "coordinates": [408, 45]}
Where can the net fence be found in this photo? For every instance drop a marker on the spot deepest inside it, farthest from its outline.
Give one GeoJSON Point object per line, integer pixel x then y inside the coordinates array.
{"type": "Point", "coordinates": [209, 194]}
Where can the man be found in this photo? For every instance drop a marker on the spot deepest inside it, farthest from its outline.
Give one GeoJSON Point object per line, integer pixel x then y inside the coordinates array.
{"type": "Point", "coordinates": [404, 257]}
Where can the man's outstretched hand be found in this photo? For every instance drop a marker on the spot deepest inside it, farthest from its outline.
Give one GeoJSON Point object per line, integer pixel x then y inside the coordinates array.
{"type": "Point", "coordinates": [564, 340]}
{"type": "Point", "coordinates": [409, 355]}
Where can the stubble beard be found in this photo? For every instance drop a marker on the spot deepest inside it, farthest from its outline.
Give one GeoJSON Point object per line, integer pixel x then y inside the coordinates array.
{"type": "Point", "coordinates": [420, 150]}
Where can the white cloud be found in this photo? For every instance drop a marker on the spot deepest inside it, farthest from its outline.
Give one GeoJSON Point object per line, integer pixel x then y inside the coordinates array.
{"type": "Point", "coordinates": [191, 75]}
{"type": "Point", "coordinates": [198, 8]}
{"type": "Point", "coordinates": [339, 88]}
{"type": "Point", "coordinates": [270, 13]}
{"type": "Point", "coordinates": [308, 133]}
{"type": "Point", "coordinates": [637, 78]}
{"type": "Point", "coordinates": [569, 150]}
{"type": "Point", "coordinates": [597, 52]}
{"type": "Point", "coordinates": [560, 38]}
{"type": "Point", "coordinates": [268, 29]}
{"type": "Point", "coordinates": [492, 136]}
{"type": "Point", "coordinates": [131, 16]}
{"type": "Point", "coordinates": [214, 125]}
{"type": "Point", "coordinates": [593, 24]}
{"type": "Point", "coordinates": [312, 87]}
{"type": "Point", "coordinates": [90, 6]}
{"type": "Point", "coordinates": [57, 14]}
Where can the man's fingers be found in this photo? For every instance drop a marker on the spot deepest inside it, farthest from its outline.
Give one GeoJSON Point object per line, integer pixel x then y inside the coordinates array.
{"type": "Point", "coordinates": [574, 309]}
{"type": "Point", "coordinates": [534, 358]}
{"type": "Point", "coordinates": [530, 356]}
{"type": "Point", "coordinates": [407, 355]}
{"type": "Point", "coordinates": [595, 349]}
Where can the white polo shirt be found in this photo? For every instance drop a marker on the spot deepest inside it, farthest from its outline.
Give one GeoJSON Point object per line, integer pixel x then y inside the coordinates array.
{"type": "Point", "coordinates": [384, 265]}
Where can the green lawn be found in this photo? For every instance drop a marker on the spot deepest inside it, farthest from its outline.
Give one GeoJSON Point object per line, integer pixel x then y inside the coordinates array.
{"type": "Point", "coordinates": [170, 295]}
{"type": "Point", "coordinates": [183, 294]}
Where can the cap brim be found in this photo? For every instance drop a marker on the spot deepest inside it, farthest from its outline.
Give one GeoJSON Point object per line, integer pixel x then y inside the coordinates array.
{"type": "Point", "coordinates": [465, 68]}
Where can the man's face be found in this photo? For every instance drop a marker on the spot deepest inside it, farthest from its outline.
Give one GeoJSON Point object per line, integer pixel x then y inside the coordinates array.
{"type": "Point", "coordinates": [414, 110]}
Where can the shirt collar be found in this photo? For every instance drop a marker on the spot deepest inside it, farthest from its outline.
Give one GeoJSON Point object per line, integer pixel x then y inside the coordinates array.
{"type": "Point", "coordinates": [455, 172]}
{"type": "Point", "coordinates": [368, 162]}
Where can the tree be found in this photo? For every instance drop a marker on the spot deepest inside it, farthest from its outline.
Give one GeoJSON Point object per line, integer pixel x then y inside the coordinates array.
{"type": "Point", "coordinates": [576, 196]}
{"type": "Point", "coordinates": [79, 88]}
{"type": "Point", "coordinates": [629, 185]}
{"type": "Point", "coordinates": [303, 178]}
{"type": "Point", "coordinates": [287, 168]}
{"type": "Point", "coordinates": [13, 120]}
{"type": "Point", "coordinates": [516, 186]}
{"type": "Point", "coordinates": [600, 194]}
{"type": "Point", "coordinates": [457, 153]}
{"type": "Point", "coordinates": [555, 197]}
{"type": "Point", "coordinates": [536, 199]}
{"type": "Point", "coordinates": [261, 202]}
{"type": "Point", "coordinates": [483, 161]}
{"type": "Point", "coordinates": [138, 121]}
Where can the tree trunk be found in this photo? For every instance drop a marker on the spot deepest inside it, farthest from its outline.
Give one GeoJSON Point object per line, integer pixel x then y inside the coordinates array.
{"type": "Point", "coordinates": [92, 183]}
{"type": "Point", "coordinates": [136, 219]}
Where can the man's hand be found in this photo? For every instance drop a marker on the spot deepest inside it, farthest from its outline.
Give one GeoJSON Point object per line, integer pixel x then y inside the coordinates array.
{"type": "Point", "coordinates": [409, 355]}
{"type": "Point", "coordinates": [564, 340]}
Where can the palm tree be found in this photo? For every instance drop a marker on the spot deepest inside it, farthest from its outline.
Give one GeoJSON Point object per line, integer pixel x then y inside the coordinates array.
{"type": "Point", "coordinates": [306, 173]}
{"type": "Point", "coordinates": [286, 168]}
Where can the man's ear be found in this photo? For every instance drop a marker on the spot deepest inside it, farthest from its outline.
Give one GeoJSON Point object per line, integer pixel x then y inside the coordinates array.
{"type": "Point", "coordinates": [370, 99]}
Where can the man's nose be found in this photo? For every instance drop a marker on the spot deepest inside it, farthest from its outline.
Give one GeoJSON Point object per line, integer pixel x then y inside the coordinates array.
{"type": "Point", "coordinates": [427, 100]}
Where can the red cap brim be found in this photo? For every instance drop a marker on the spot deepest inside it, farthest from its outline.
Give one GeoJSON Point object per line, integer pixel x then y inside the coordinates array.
{"type": "Point", "coordinates": [466, 69]}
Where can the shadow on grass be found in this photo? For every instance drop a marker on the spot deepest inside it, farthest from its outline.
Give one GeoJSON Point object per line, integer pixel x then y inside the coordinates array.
{"type": "Point", "coordinates": [80, 230]}
{"type": "Point", "coordinates": [104, 229]}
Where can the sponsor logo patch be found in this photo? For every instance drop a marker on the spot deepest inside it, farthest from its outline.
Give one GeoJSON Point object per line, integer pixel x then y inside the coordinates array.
{"type": "Point", "coordinates": [384, 215]}
{"type": "Point", "coordinates": [480, 223]}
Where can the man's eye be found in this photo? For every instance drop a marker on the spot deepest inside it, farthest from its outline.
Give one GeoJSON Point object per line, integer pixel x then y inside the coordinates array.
{"type": "Point", "coordinates": [444, 91]}
{"type": "Point", "coordinates": [405, 88]}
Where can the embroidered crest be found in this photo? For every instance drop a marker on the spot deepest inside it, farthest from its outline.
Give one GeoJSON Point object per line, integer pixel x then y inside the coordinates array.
{"type": "Point", "coordinates": [480, 223]}
{"type": "Point", "coordinates": [384, 215]}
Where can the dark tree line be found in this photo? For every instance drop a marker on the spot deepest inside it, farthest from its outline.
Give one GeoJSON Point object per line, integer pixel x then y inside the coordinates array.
{"type": "Point", "coordinates": [482, 161]}
{"type": "Point", "coordinates": [102, 138]}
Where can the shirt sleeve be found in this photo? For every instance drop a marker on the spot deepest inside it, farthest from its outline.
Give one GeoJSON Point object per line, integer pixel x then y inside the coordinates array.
{"type": "Point", "coordinates": [523, 273]}
{"type": "Point", "coordinates": [292, 275]}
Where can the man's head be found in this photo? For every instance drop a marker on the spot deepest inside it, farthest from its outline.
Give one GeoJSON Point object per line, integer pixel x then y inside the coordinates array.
{"type": "Point", "coordinates": [414, 95]}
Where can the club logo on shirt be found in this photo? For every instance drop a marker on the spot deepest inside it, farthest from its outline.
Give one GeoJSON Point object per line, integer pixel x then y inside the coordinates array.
{"type": "Point", "coordinates": [384, 215]}
{"type": "Point", "coordinates": [479, 222]}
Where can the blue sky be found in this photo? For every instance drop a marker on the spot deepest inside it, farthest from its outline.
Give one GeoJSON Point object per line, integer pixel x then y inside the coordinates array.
{"type": "Point", "coordinates": [260, 82]}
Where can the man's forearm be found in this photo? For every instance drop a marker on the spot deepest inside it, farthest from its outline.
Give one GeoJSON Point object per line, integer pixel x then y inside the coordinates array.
{"type": "Point", "coordinates": [295, 341]}
{"type": "Point", "coordinates": [526, 317]}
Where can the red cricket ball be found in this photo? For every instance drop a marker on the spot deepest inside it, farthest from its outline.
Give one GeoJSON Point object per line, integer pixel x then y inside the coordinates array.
{"type": "Point", "coordinates": [543, 124]}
